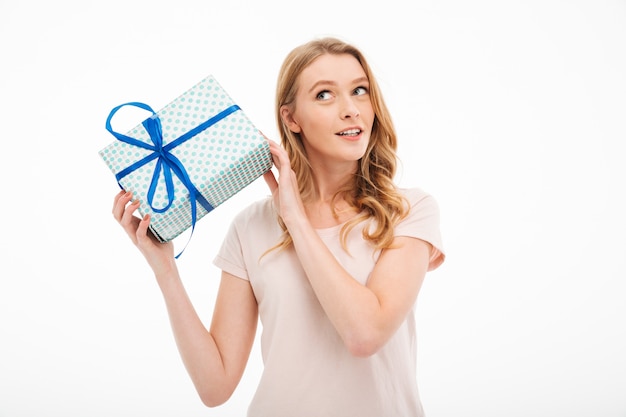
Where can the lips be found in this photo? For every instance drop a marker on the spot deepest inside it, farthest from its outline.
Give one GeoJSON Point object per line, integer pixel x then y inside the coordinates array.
{"type": "Point", "coordinates": [353, 132]}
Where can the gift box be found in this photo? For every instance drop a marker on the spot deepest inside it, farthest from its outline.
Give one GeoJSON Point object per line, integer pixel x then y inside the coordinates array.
{"type": "Point", "coordinates": [187, 158]}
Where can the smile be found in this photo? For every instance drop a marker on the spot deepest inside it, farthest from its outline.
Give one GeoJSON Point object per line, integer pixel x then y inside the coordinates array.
{"type": "Point", "coordinates": [350, 132]}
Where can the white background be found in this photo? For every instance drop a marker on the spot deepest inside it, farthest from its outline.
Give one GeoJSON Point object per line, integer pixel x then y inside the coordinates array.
{"type": "Point", "coordinates": [511, 113]}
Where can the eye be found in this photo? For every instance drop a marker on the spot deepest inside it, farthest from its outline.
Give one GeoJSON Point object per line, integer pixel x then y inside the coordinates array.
{"type": "Point", "coordinates": [323, 95]}
{"type": "Point", "coordinates": [359, 91]}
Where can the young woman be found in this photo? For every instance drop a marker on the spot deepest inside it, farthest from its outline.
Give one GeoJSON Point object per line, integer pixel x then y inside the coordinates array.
{"type": "Point", "coordinates": [332, 262]}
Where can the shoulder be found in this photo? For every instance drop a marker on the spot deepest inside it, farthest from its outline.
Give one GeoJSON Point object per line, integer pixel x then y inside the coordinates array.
{"type": "Point", "coordinates": [253, 224]}
{"type": "Point", "coordinates": [419, 200]}
{"type": "Point", "coordinates": [258, 209]}
{"type": "Point", "coordinates": [422, 222]}
{"type": "Point", "coordinates": [258, 214]}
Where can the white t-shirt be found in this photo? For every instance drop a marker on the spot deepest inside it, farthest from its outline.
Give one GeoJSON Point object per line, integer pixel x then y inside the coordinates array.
{"type": "Point", "coordinates": [307, 369]}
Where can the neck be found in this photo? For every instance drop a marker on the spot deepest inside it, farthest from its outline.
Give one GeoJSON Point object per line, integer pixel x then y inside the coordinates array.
{"type": "Point", "coordinates": [323, 209]}
{"type": "Point", "coordinates": [327, 180]}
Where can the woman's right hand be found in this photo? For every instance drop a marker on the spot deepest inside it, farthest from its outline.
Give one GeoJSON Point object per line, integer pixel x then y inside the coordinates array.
{"type": "Point", "coordinates": [160, 256]}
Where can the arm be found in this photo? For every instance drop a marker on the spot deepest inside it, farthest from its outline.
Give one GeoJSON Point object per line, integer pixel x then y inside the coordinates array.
{"type": "Point", "coordinates": [365, 316]}
{"type": "Point", "coordinates": [215, 359]}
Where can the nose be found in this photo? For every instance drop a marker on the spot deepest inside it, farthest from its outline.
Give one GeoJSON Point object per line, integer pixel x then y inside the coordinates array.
{"type": "Point", "coordinates": [349, 109]}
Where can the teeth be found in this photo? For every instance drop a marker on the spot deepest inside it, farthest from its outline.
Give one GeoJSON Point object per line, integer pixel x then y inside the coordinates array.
{"type": "Point", "coordinates": [351, 132]}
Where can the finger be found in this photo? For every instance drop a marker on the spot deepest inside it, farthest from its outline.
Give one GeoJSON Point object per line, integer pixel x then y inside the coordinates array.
{"type": "Point", "coordinates": [142, 230]}
{"type": "Point", "coordinates": [270, 180]}
{"type": "Point", "coordinates": [283, 164]}
{"type": "Point", "coordinates": [129, 220]}
{"type": "Point", "coordinates": [273, 146]}
{"type": "Point", "coordinates": [130, 211]}
{"type": "Point", "coordinates": [119, 204]}
{"type": "Point", "coordinates": [118, 196]}
{"type": "Point", "coordinates": [276, 161]}
{"type": "Point", "coordinates": [279, 156]}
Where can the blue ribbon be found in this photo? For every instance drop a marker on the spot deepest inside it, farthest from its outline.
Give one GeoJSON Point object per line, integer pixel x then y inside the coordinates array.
{"type": "Point", "coordinates": [166, 161]}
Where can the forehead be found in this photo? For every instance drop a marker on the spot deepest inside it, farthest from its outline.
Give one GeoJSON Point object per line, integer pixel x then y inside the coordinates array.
{"type": "Point", "coordinates": [339, 69]}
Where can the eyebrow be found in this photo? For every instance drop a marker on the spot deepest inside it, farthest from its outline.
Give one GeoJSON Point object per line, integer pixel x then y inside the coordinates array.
{"type": "Point", "coordinates": [333, 83]}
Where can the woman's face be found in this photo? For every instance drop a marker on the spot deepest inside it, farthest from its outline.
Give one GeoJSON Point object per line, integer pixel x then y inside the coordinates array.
{"type": "Point", "coordinates": [333, 112]}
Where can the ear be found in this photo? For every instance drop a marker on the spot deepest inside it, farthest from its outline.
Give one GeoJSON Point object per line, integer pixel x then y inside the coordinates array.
{"type": "Point", "coordinates": [287, 117]}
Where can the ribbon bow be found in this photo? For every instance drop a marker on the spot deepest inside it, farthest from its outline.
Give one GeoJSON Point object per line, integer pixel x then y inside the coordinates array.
{"type": "Point", "coordinates": [166, 161]}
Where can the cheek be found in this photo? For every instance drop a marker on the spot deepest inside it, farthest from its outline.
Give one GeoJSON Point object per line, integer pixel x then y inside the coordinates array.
{"type": "Point", "coordinates": [367, 112]}
{"type": "Point", "coordinates": [314, 121]}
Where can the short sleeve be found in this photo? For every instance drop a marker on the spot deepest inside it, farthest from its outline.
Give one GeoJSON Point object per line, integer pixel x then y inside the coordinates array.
{"type": "Point", "coordinates": [230, 256]}
{"type": "Point", "coordinates": [422, 223]}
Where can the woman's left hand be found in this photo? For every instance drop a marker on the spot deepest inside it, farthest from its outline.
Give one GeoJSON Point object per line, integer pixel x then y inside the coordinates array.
{"type": "Point", "coordinates": [285, 190]}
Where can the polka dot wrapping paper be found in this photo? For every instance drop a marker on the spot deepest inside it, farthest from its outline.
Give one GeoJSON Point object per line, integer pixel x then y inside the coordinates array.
{"type": "Point", "coordinates": [216, 149]}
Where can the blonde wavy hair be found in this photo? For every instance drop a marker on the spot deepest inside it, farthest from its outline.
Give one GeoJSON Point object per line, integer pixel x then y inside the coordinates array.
{"type": "Point", "coordinates": [371, 191]}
